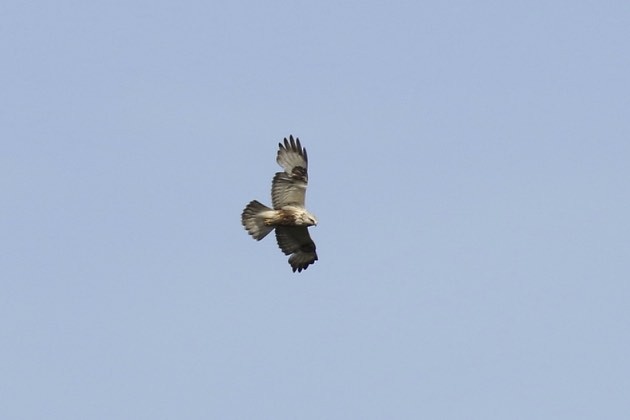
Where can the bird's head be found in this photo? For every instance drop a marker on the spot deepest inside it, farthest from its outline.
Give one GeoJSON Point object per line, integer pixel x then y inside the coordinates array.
{"type": "Point", "coordinates": [308, 219]}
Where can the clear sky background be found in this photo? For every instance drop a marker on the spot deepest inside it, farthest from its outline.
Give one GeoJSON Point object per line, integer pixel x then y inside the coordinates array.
{"type": "Point", "coordinates": [469, 167]}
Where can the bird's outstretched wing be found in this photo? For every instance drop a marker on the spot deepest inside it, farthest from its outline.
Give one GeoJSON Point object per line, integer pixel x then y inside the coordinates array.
{"type": "Point", "coordinates": [289, 187]}
{"type": "Point", "coordinates": [295, 241]}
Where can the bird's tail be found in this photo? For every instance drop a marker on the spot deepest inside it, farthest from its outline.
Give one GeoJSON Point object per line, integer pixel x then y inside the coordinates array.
{"type": "Point", "coordinates": [254, 221]}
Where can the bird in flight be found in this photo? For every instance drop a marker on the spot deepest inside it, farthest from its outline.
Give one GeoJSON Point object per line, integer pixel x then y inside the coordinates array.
{"type": "Point", "coordinates": [288, 217]}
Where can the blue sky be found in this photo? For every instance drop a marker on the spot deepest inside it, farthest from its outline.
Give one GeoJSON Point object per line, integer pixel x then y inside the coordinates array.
{"type": "Point", "coordinates": [469, 167]}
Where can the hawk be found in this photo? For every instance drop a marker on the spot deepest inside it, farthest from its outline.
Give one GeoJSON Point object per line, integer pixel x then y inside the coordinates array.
{"type": "Point", "coordinates": [288, 217]}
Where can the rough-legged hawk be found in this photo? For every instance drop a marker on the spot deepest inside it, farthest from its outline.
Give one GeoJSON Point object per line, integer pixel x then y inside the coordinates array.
{"type": "Point", "coordinates": [288, 216]}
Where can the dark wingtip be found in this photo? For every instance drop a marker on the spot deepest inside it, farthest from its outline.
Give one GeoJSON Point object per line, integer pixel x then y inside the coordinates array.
{"type": "Point", "coordinates": [300, 268]}
{"type": "Point", "coordinates": [293, 144]}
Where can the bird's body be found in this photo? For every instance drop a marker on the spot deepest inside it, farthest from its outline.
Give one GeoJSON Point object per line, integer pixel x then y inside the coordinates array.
{"type": "Point", "coordinates": [288, 216]}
